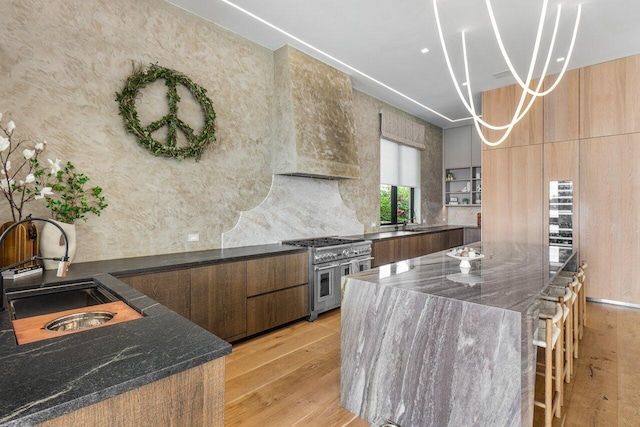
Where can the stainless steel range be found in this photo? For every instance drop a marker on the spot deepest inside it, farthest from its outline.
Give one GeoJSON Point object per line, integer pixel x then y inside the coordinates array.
{"type": "Point", "coordinates": [331, 258]}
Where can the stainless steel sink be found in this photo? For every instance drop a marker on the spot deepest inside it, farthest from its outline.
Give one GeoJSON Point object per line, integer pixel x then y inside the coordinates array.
{"type": "Point", "coordinates": [56, 298]}
{"type": "Point", "coordinates": [78, 321]}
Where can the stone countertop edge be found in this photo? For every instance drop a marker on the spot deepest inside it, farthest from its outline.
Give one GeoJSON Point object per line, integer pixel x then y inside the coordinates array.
{"type": "Point", "coordinates": [381, 235]}
{"type": "Point", "coordinates": [49, 378]}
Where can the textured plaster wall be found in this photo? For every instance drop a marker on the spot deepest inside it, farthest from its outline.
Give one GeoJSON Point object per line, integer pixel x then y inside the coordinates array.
{"type": "Point", "coordinates": [61, 63]}
{"type": "Point", "coordinates": [363, 194]}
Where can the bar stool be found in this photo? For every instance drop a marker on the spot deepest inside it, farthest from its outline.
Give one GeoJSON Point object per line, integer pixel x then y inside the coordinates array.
{"type": "Point", "coordinates": [548, 337]}
{"type": "Point", "coordinates": [549, 309]}
{"type": "Point", "coordinates": [562, 294]}
{"type": "Point", "coordinates": [582, 295]}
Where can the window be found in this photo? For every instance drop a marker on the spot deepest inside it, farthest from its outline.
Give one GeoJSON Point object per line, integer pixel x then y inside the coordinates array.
{"type": "Point", "coordinates": [399, 183]}
{"type": "Point", "coordinates": [396, 204]}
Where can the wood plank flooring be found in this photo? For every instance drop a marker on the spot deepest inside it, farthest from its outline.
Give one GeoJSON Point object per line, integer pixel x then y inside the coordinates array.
{"type": "Point", "coordinates": [606, 388]}
{"type": "Point", "coordinates": [291, 376]}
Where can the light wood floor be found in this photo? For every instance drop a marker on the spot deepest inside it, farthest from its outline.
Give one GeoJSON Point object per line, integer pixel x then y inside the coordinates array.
{"type": "Point", "coordinates": [291, 376]}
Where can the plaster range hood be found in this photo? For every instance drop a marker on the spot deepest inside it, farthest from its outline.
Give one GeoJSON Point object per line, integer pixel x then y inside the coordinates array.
{"type": "Point", "coordinates": [314, 123]}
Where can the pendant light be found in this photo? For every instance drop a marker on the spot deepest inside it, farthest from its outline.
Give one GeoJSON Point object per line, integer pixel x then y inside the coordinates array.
{"type": "Point", "coordinates": [521, 109]}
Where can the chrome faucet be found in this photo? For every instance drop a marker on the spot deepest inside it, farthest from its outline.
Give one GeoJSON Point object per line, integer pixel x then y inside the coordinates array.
{"type": "Point", "coordinates": [63, 267]}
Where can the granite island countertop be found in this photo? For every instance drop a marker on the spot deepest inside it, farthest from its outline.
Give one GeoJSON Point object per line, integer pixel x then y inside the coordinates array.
{"type": "Point", "coordinates": [48, 378]}
{"type": "Point", "coordinates": [425, 345]}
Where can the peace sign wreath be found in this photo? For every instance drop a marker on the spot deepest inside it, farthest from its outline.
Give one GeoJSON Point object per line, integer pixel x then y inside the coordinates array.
{"type": "Point", "coordinates": [197, 143]}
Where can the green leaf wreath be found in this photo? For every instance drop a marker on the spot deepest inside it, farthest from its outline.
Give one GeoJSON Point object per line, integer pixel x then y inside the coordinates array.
{"type": "Point", "coordinates": [197, 143]}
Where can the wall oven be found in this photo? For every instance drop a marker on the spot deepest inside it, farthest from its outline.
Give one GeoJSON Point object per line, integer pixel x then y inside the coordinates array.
{"type": "Point", "coordinates": [330, 259]}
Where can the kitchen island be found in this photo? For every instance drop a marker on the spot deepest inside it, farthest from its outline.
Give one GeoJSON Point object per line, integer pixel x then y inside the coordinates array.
{"type": "Point", "coordinates": [426, 345]}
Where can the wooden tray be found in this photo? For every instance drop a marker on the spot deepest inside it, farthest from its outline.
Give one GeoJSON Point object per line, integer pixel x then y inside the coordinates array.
{"type": "Point", "coordinates": [31, 329]}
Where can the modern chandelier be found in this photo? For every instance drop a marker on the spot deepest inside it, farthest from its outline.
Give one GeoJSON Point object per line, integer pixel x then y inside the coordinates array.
{"type": "Point", "coordinates": [525, 85]}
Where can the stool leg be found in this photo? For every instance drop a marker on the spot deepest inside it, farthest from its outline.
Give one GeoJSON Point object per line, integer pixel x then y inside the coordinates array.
{"type": "Point", "coordinates": [584, 303]}
{"type": "Point", "coordinates": [568, 342]}
{"type": "Point", "coordinates": [559, 378]}
{"type": "Point", "coordinates": [575, 309]}
{"type": "Point", "coordinates": [548, 372]}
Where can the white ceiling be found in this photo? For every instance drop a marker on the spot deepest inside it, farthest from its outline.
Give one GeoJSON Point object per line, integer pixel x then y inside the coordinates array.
{"type": "Point", "coordinates": [383, 39]}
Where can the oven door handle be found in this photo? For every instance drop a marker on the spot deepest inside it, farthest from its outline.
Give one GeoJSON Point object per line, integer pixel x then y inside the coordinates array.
{"type": "Point", "coordinates": [324, 268]}
{"type": "Point", "coordinates": [357, 260]}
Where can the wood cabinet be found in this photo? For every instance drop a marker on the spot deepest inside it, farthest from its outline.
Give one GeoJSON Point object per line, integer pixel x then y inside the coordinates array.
{"type": "Point", "coordinates": [277, 291]}
{"type": "Point", "coordinates": [219, 299]}
{"type": "Point", "coordinates": [169, 288]}
{"type": "Point", "coordinates": [593, 115]}
{"type": "Point", "coordinates": [387, 251]}
{"type": "Point", "coordinates": [513, 207]}
{"type": "Point", "coordinates": [498, 106]}
{"type": "Point", "coordinates": [273, 273]}
{"type": "Point", "coordinates": [609, 94]}
{"type": "Point", "coordinates": [277, 308]}
{"type": "Point", "coordinates": [562, 108]}
{"type": "Point", "coordinates": [472, 235]}
{"type": "Point", "coordinates": [384, 251]}
{"type": "Point", "coordinates": [194, 397]}
{"type": "Point", "coordinates": [610, 216]}
{"type": "Point", "coordinates": [233, 299]}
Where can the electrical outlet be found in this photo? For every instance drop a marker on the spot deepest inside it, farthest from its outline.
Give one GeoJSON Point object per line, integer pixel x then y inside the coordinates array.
{"type": "Point", "coordinates": [195, 237]}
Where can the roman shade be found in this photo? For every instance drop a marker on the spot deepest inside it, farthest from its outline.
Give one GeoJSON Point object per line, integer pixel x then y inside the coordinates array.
{"type": "Point", "coordinates": [396, 128]}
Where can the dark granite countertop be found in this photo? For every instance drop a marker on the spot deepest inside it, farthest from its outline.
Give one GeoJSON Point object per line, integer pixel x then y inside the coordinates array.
{"type": "Point", "coordinates": [49, 378]}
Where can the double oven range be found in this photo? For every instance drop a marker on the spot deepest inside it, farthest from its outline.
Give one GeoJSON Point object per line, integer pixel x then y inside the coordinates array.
{"type": "Point", "coordinates": [330, 259]}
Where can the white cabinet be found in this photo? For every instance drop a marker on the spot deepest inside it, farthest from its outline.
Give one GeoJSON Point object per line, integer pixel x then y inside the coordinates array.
{"type": "Point", "coordinates": [462, 172]}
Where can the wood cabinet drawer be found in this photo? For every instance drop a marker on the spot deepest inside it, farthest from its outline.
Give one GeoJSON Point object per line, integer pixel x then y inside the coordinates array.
{"type": "Point", "coordinates": [280, 272]}
{"type": "Point", "coordinates": [277, 308]}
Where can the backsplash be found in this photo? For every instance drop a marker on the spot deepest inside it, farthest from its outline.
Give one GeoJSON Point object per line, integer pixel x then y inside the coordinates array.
{"type": "Point", "coordinates": [295, 208]}
{"type": "Point", "coordinates": [463, 215]}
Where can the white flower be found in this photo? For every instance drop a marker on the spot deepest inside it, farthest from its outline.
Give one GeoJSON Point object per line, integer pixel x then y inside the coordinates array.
{"type": "Point", "coordinates": [11, 126]}
{"type": "Point", "coordinates": [7, 167]}
{"type": "Point", "coordinates": [30, 178]}
{"type": "Point", "coordinates": [40, 146]}
{"type": "Point", "coordinates": [46, 191]}
{"type": "Point", "coordinates": [4, 184]}
{"type": "Point", "coordinates": [4, 143]}
{"type": "Point", "coordinates": [55, 166]}
{"type": "Point", "coordinates": [28, 153]}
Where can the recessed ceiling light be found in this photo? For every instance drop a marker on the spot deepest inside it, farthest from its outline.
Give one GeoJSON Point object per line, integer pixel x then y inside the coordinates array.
{"type": "Point", "coordinates": [424, 50]}
{"type": "Point", "coordinates": [561, 59]}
